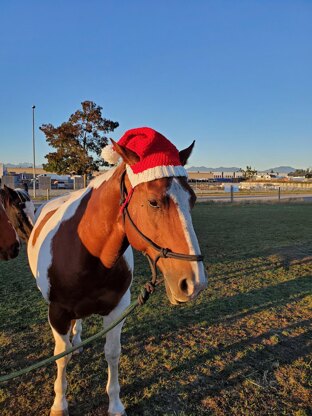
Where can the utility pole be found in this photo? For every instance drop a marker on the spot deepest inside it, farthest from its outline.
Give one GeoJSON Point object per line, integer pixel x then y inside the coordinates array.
{"type": "Point", "coordinates": [34, 151]}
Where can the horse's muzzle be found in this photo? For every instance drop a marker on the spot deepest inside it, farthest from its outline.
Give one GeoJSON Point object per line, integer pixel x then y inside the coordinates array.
{"type": "Point", "coordinates": [186, 291]}
{"type": "Point", "coordinates": [10, 253]}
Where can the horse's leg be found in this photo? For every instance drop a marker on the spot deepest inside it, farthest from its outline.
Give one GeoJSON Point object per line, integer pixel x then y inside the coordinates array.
{"type": "Point", "coordinates": [62, 342]}
{"type": "Point", "coordinates": [112, 354]}
{"type": "Point", "coordinates": [76, 332]}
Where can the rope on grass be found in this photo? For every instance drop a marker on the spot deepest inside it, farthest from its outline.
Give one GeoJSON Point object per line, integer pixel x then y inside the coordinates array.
{"type": "Point", "coordinates": [143, 297]}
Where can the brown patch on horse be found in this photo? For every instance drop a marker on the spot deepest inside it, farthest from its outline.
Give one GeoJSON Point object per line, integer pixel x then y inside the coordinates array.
{"type": "Point", "coordinates": [80, 284]}
{"type": "Point", "coordinates": [98, 229]}
{"type": "Point", "coordinates": [9, 243]}
{"type": "Point", "coordinates": [41, 225]}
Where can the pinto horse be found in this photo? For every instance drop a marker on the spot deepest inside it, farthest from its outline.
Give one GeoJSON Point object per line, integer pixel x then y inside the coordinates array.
{"type": "Point", "coordinates": [19, 209]}
{"type": "Point", "coordinates": [9, 241]}
{"type": "Point", "coordinates": [80, 255]}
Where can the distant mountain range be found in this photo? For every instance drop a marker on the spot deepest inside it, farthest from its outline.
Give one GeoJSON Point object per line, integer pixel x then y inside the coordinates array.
{"type": "Point", "coordinates": [282, 169]}
{"type": "Point", "coordinates": [21, 165]}
{"type": "Point", "coordinates": [279, 169]}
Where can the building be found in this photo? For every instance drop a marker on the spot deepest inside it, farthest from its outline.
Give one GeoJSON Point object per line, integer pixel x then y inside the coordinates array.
{"type": "Point", "coordinates": [268, 176]}
{"type": "Point", "coordinates": [215, 176]}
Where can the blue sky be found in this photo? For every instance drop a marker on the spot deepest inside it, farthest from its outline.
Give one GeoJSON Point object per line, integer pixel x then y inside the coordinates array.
{"type": "Point", "coordinates": [234, 75]}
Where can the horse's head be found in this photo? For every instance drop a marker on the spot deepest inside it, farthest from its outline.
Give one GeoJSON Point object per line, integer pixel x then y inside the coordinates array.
{"type": "Point", "coordinates": [161, 211]}
{"type": "Point", "coordinates": [20, 210]}
{"type": "Point", "coordinates": [9, 242]}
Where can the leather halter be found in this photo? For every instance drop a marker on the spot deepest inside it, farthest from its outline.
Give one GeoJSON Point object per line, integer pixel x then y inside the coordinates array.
{"type": "Point", "coordinates": [164, 253]}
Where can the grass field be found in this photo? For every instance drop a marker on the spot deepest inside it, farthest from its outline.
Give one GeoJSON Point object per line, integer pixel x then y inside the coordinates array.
{"type": "Point", "coordinates": [242, 348]}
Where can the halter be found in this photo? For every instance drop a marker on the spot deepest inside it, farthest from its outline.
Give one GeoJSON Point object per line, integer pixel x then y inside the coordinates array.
{"type": "Point", "coordinates": [164, 253]}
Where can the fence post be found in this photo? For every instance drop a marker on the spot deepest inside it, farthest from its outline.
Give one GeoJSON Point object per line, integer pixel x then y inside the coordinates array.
{"type": "Point", "coordinates": [279, 193]}
{"type": "Point", "coordinates": [232, 194]}
{"type": "Point", "coordinates": [48, 194]}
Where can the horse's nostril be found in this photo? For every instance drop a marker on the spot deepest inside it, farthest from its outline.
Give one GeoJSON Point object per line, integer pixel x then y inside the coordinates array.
{"type": "Point", "coordinates": [184, 286]}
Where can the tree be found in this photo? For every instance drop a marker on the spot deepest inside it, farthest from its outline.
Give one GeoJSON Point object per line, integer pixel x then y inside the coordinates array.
{"type": "Point", "coordinates": [78, 141]}
{"type": "Point", "coordinates": [301, 172]}
{"type": "Point", "coordinates": [308, 174]}
{"type": "Point", "coordinates": [248, 173]}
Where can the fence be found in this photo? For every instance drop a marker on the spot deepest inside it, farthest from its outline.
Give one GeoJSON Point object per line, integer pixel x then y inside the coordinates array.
{"type": "Point", "coordinates": [233, 193]}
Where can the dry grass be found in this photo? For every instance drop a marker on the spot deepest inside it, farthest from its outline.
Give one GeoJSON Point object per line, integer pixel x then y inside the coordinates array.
{"type": "Point", "coordinates": [242, 348]}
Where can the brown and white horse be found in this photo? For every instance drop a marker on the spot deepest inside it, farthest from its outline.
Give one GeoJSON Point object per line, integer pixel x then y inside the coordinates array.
{"type": "Point", "coordinates": [80, 255]}
{"type": "Point", "coordinates": [9, 241]}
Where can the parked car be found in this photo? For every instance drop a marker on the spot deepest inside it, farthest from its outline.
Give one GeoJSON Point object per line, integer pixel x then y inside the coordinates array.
{"type": "Point", "coordinates": [61, 185]}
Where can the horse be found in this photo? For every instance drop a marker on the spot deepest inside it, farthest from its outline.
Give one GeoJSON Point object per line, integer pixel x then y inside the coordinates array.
{"type": "Point", "coordinates": [19, 209]}
{"type": "Point", "coordinates": [80, 254]}
{"type": "Point", "coordinates": [9, 241]}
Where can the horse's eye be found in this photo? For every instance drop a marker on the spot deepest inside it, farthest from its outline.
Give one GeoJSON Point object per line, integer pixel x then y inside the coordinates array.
{"type": "Point", "coordinates": [153, 203]}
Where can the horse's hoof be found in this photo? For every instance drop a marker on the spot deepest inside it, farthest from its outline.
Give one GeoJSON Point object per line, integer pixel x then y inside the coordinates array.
{"type": "Point", "coordinates": [59, 412]}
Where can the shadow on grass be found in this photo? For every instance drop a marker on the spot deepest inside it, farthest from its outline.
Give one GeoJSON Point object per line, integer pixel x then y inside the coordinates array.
{"type": "Point", "coordinates": [272, 263]}
{"type": "Point", "coordinates": [224, 309]}
{"type": "Point", "coordinates": [232, 375]}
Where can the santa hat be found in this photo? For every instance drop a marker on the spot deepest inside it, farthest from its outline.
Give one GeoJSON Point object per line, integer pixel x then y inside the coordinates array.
{"type": "Point", "coordinates": [159, 158]}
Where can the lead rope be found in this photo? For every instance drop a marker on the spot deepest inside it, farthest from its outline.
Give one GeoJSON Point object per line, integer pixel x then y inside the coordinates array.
{"type": "Point", "coordinates": [142, 299]}
{"type": "Point", "coordinates": [144, 295]}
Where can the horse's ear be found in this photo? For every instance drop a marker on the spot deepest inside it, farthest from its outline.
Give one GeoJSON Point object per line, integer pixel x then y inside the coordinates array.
{"type": "Point", "coordinates": [9, 192]}
{"type": "Point", "coordinates": [186, 153]}
{"type": "Point", "coordinates": [127, 155]}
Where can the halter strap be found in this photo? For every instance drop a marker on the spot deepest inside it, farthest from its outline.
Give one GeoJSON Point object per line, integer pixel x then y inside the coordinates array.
{"type": "Point", "coordinates": [162, 252]}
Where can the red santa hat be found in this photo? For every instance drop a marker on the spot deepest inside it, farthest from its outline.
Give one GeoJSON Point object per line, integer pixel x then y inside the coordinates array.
{"type": "Point", "coordinates": [159, 158]}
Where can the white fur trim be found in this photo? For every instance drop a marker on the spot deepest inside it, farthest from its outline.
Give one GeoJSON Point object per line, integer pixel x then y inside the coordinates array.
{"type": "Point", "coordinates": [110, 155]}
{"type": "Point", "coordinates": [154, 173]}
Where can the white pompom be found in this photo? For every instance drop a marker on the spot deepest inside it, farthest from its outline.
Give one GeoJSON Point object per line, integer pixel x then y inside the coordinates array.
{"type": "Point", "coordinates": [110, 155]}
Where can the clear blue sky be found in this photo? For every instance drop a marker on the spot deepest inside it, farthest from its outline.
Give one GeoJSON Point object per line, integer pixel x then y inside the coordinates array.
{"type": "Point", "coordinates": [234, 75]}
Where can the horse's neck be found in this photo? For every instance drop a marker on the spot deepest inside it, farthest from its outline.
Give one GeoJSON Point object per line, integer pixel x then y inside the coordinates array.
{"type": "Point", "coordinates": [101, 227]}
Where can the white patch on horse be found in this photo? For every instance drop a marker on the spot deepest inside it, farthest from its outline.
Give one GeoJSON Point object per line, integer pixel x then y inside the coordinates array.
{"type": "Point", "coordinates": [39, 254]}
{"type": "Point", "coordinates": [53, 204]}
{"type": "Point", "coordinates": [128, 256]}
{"type": "Point", "coordinates": [181, 199]}
{"type": "Point", "coordinates": [112, 354]}
{"type": "Point", "coordinates": [62, 343]}
{"type": "Point", "coordinates": [30, 211]}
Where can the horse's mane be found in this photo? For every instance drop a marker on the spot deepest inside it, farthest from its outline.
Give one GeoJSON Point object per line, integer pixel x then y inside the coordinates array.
{"type": "Point", "coordinates": [98, 180]}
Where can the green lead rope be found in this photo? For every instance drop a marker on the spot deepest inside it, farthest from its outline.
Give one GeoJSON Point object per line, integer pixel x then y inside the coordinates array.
{"type": "Point", "coordinates": [140, 301]}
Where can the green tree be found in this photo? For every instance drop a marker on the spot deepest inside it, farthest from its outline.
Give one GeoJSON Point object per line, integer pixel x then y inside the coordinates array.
{"type": "Point", "coordinates": [248, 173]}
{"type": "Point", "coordinates": [301, 172]}
{"type": "Point", "coordinates": [78, 142]}
{"type": "Point", "coordinates": [308, 174]}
